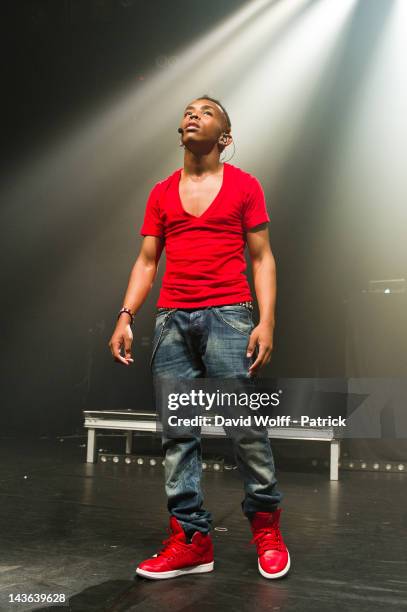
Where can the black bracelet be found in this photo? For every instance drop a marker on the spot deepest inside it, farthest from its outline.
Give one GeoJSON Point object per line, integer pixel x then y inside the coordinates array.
{"type": "Point", "coordinates": [128, 311]}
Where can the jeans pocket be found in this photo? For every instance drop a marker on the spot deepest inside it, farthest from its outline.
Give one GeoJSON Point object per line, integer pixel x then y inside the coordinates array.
{"type": "Point", "coordinates": [161, 320]}
{"type": "Point", "coordinates": [238, 318]}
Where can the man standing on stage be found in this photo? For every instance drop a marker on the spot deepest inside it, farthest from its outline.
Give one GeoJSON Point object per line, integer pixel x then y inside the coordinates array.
{"type": "Point", "coordinates": [204, 215]}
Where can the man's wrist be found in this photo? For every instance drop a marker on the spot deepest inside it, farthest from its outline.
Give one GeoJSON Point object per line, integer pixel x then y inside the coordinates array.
{"type": "Point", "coordinates": [126, 311]}
{"type": "Point", "coordinates": [267, 322]}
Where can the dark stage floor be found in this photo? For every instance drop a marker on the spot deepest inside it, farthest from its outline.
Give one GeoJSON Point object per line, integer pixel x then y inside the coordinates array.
{"type": "Point", "coordinates": [80, 529]}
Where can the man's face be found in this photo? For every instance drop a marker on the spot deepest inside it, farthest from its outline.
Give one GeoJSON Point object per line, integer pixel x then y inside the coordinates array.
{"type": "Point", "coordinates": [209, 119]}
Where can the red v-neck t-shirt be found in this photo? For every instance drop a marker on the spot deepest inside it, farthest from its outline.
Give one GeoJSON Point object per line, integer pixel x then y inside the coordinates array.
{"type": "Point", "coordinates": [205, 263]}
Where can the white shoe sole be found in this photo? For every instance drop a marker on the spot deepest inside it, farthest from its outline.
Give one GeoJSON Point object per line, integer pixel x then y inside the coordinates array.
{"type": "Point", "coordinates": [196, 569]}
{"type": "Point", "coordinates": [279, 574]}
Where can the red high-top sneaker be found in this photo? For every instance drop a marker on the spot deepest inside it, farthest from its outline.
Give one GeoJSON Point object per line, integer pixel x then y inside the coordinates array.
{"type": "Point", "coordinates": [178, 558]}
{"type": "Point", "coordinates": [274, 558]}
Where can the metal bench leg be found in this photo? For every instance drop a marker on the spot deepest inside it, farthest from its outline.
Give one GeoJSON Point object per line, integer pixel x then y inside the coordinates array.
{"type": "Point", "coordinates": [129, 442]}
{"type": "Point", "coordinates": [91, 450]}
{"type": "Point", "coordinates": [334, 468]}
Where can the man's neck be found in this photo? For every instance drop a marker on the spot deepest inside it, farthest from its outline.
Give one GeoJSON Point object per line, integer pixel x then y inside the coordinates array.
{"type": "Point", "coordinates": [201, 165]}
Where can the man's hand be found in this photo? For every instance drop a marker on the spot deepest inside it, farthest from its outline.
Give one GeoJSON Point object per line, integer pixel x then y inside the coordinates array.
{"type": "Point", "coordinates": [122, 338]}
{"type": "Point", "coordinates": [261, 336]}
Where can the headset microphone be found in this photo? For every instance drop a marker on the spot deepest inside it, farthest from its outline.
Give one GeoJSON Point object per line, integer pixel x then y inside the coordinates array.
{"type": "Point", "coordinates": [180, 130]}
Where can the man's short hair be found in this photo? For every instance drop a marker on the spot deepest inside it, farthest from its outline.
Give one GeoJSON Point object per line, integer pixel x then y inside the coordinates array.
{"type": "Point", "coordinates": [227, 118]}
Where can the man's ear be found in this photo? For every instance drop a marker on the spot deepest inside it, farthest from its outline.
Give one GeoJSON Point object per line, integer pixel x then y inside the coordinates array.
{"type": "Point", "coordinates": [225, 139]}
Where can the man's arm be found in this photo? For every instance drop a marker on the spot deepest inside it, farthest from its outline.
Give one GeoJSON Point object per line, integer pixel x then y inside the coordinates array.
{"type": "Point", "coordinates": [265, 284]}
{"type": "Point", "coordinates": [140, 283]}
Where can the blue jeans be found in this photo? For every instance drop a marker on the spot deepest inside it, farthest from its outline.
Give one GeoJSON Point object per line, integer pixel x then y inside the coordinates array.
{"type": "Point", "coordinates": [209, 342]}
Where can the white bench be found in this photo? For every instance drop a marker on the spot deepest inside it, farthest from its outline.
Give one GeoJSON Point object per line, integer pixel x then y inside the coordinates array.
{"type": "Point", "coordinates": [146, 421]}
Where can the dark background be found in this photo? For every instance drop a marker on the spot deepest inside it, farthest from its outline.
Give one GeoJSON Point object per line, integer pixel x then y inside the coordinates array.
{"type": "Point", "coordinates": [67, 256]}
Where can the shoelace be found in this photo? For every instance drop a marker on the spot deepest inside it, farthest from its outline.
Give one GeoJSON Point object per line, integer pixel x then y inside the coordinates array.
{"type": "Point", "coordinates": [268, 538]}
{"type": "Point", "coordinates": [172, 545]}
